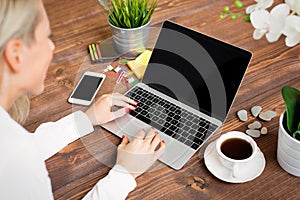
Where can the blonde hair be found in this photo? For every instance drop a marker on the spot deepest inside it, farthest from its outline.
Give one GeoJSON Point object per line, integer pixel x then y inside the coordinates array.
{"type": "Point", "coordinates": [18, 20]}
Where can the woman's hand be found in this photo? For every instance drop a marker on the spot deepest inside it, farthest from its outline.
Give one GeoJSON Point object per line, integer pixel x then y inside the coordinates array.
{"type": "Point", "coordinates": [100, 112]}
{"type": "Point", "coordinates": [140, 154]}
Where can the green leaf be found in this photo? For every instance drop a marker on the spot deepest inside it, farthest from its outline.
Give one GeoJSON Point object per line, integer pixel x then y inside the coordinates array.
{"type": "Point", "coordinates": [296, 135]}
{"type": "Point", "coordinates": [291, 98]}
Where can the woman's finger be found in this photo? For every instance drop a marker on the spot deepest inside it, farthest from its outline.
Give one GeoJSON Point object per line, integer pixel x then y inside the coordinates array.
{"type": "Point", "coordinates": [117, 102]}
{"type": "Point", "coordinates": [150, 135]}
{"type": "Point", "coordinates": [158, 153]}
{"type": "Point", "coordinates": [119, 113]}
{"type": "Point", "coordinates": [124, 142]}
{"type": "Point", "coordinates": [123, 98]}
{"type": "Point", "coordinates": [155, 142]}
{"type": "Point", "coordinates": [139, 136]}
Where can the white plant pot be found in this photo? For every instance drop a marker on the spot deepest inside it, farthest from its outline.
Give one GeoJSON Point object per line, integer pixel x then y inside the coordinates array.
{"type": "Point", "coordinates": [288, 150]}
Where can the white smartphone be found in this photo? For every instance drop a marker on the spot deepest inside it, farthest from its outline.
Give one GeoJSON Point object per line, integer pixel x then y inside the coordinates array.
{"type": "Point", "coordinates": [87, 88]}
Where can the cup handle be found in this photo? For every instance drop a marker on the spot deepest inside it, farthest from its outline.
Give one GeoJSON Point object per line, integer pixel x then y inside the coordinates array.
{"type": "Point", "coordinates": [234, 170]}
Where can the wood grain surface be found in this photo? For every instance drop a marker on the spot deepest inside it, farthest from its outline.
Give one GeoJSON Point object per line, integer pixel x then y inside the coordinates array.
{"type": "Point", "coordinates": [78, 167]}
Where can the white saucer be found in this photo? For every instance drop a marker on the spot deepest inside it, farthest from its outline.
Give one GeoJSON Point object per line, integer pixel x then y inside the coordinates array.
{"type": "Point", "coordinates": [211, 160]}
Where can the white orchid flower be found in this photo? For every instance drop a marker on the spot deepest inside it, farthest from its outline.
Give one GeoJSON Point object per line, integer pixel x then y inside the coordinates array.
{"type": "Point", "coordinates": [294, 5]}
{"type": "Point", "coordinates": [261, 5]}
{"type": "Point", "coordinates": [292, 30]}
{"type": "Point", "coordinates": [271, 24]}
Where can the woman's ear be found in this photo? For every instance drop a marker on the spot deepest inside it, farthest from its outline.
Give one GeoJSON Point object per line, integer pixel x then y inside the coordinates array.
{"type": "Point", "coordinates": [13, 55]}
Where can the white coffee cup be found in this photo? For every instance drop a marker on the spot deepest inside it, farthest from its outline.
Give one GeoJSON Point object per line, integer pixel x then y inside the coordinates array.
{"type": "Point", "coordinates": [237, 141]}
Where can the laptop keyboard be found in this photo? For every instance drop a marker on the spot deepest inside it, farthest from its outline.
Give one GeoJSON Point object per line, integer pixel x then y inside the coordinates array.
{"type": "Point", "coordinates": [170, 119]}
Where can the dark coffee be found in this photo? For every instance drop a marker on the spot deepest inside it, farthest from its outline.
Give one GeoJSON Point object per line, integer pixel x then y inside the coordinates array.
{"type": "Point", "coordinates": [236, 148]}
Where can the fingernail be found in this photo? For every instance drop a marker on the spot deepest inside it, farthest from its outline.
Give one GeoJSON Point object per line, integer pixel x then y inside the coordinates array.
{"type": "Point", "coordinates": [163, 141]}
{"type": "Point", "coordinates": [134, 107]}
{"type": "Point", "coordinates": [123, 136]}
{"type": "Point", "coordinates": [156, 133]}
{"type": "Point", "coordinates": [127, 110]}
{"type": "Point", "coordinates": [136, 102]}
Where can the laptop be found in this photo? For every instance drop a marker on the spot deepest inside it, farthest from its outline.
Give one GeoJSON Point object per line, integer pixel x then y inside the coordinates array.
{"type": "Point", "coordinates": [186, 92]}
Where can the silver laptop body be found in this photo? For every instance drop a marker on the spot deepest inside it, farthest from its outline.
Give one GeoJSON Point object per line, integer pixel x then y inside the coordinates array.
{"type": "Point", "coordinates": [186, 92]}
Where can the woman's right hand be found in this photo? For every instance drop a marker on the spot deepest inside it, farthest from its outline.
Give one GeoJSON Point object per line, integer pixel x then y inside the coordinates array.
{"type": "Point", "coordinates": [138, 155]}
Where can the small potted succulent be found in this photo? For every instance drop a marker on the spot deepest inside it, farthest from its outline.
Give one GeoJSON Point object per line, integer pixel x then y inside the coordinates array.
{"type": "Point", "coordinates": [288, 149]}
{"type": "Point", "coordinates": [129, 21]}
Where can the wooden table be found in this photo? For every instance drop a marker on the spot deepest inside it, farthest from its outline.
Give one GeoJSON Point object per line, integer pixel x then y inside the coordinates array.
{"type": "Point", "coordinates": [74, 170]}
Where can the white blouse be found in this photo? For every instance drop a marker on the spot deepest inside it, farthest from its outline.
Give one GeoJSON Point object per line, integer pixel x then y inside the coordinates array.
{"type": "Point", "coordinates": [23, 173]}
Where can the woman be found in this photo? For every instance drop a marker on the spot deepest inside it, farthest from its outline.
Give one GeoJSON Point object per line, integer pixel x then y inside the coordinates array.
{"type": "Point", "coordinates": [26, 52]}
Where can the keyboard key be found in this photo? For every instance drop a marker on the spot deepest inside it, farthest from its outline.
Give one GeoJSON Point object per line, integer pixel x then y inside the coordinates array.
{"type": "Point", "coordinates": [185, 134]}
{"type": "Point", "coordinates": [155, 118]}
{"type": "Point", "coordinates": [155, 100]}
{"type": "Point", "coordinates": [173, 128]}
{"type": "Point", "coordinates": [172, 108]}
{"type": "Point", "coordinates": [133, 113]}
{"type": "Point", "coordinates": [144, 112]}
{"type": "Point", "coordinates": [175, 136]}
{"type": "Point", "coordinates": [149, 103]}
{"type": "Point", "coordinates": [171, 114]}
{"type": "Point", "coordinates": [182, 139]}
{"type": "Point", "coordinates": [162, 115]}
{"type": "Point", "coordinates": [184, 115]}
{"type": "Point", "coordinates": [159, 108]}
{"type": "Point", "coordinates": [195, 126]}
{"type": "Point", "coordinates": [161, 103]}
{"type": "Point", "coordinates": [183, 120]}
{"type": "Point", "coordinates": [167, 106]}
{"type": "Point", "coordinates": [188, 123]}
{"type": "Point", "coordinates": [167, 124]}
{"type": "Point", "coordinates": [169, 132]}
{"type": "Point", "coordinates": [174, 122]}
{"type": "Point", "coordinates": [188, 143]}
{"type": "Point", "coordinates": [145, 94]}
{"type": "Point", "coordinates": [157, 113]}
{"type": "Point", "coordinates": [192, 132]}
{"type": "Point", "coordinates": [160, 121]}
{"type": "Point", "coordinates": [144, 119]}
{"type": "Point", "coordinates": [190, 117]}
{"type": "Point", "coordinates": [178, 112]}
{"type": "Point", "coordinates": [168, 119]}
{"type": "Point", "coordinates": [186, 128]}
{"type": "Point", "coordinates": [195, 146]}
{"type": "Point", "coordinates": [177, 117]}
{"type": "Point", "coordinates": [138, 109]}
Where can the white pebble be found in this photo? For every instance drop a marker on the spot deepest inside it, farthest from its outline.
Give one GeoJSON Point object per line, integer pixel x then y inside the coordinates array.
{"type": "Point", "coordinates": [271, 113]}
{"type": "Point", "coordinates": [242, 115]}
{"type": "Point", "coordinates": [265, 116]}
{"type": "Point", "coordinates": [254, 125]}
{"type": "Point", "coordinates": [253, 133]}
{"type": "Point", "coordinates": [255, 110]}
{"type": "Point", "coordinates": [264, 130]}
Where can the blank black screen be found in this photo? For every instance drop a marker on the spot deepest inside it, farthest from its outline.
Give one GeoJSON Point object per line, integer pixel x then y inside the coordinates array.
{"type": "Point", "coordinates": [198, 70]}
{"type": "Point", "coordinates": [87, 87]}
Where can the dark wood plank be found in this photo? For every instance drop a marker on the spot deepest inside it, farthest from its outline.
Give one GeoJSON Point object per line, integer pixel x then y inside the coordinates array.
{"type": "Point", "coordinates": [77, 168]}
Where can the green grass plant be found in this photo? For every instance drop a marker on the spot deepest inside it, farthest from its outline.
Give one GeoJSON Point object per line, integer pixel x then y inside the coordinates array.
{"type": "Point", "coordinates": [129, 13]}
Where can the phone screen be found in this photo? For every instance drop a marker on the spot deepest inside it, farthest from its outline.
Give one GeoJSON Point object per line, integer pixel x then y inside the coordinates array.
{"type": "Point", "coordinates": [87, 87]}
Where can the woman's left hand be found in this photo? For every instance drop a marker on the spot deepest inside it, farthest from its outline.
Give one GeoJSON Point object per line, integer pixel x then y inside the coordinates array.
{"type": "Point", "coordinates": [100, 112]}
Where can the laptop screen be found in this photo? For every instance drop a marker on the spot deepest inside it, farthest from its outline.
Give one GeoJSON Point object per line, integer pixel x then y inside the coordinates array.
{"type": "Point", "coordinates": [197, 70]}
